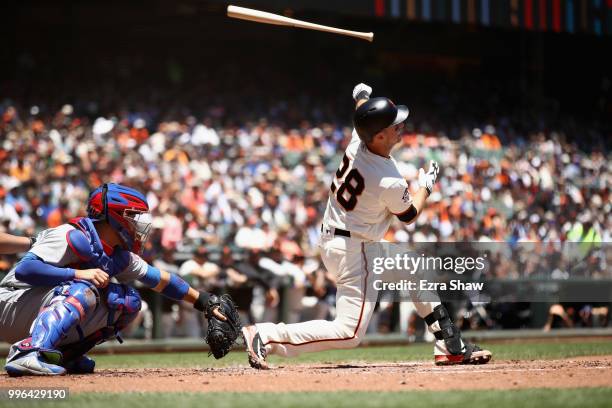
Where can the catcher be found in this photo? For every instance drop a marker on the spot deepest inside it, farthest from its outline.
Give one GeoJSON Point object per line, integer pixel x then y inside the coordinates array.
{"type": "Point", "coordinates": [58, 301]}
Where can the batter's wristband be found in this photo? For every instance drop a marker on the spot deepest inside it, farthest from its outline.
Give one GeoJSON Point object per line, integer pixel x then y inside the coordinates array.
{"type": "Point", "coordinates": [362, 95]}
{"type": "Point", "coordinates": [201, 301]}
{"type": "Point", "coordinates": [32, 241]}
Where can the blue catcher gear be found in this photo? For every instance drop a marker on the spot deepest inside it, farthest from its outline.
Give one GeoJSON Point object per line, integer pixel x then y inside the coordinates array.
{"type": "Point", "coordinates": [87, 245]}
{"type": "Point", "coordinates": [126, 211]}
{"type": "Point", "coordinates": [38, 355]}
{"type": "Point", "coordinates": [123, 303]}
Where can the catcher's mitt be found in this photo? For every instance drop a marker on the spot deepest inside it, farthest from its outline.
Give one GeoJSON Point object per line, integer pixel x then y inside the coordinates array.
{"type": "Point", "coordinates": [221, 334]}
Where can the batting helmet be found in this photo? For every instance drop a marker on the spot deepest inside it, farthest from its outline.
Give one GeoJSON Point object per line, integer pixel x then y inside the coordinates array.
{"type": "Point", "coordinates": [126, 211]}
{"type": "Point", "coordinates": [377, 114]}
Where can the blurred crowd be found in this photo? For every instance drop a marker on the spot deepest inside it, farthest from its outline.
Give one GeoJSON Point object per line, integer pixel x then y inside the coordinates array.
{"type": "Point", "coordinates": [238, 206]}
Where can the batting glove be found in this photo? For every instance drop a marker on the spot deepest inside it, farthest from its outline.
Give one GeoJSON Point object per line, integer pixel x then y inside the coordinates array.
{"type": "Point", "coordinates": [362, 91]}
{"type": "Point", "coordinates": [427, 180]}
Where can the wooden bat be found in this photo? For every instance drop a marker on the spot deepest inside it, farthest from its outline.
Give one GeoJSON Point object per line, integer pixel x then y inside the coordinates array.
{"type": "Point", "coordinates": [270, 18]}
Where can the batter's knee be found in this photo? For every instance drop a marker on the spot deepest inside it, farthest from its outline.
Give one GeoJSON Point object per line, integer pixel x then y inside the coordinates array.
{"type": "Point", "coordinates": [349, 333]}
{"type": "Point", "coordinates": [349, 343]}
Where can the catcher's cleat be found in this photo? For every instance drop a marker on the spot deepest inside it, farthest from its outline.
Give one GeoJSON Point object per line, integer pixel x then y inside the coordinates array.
{"type": "Point", "coordinates": [80, 365]}
{"type": "Point", "coordinates": [255, 348]}
{"type": "Point", "coordinates": [472, 355]}
{"type": "Point", "coordinates": [32, 363]}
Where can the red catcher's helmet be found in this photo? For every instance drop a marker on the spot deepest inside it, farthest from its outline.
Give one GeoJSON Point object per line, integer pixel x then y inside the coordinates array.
{"type": "Point", "coordinates": [126, 210]}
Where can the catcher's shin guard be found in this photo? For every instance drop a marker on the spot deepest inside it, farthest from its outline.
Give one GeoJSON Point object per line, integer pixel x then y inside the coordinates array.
{"type": "Point", "coordinates": [71, 304]}
{"type": "Point", "coordinates": [124, 303]}
{"type": "Point", "coordinates": [457, 351]}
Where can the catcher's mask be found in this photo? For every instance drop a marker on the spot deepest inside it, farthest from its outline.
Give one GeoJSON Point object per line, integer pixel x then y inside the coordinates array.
{"type": "Point", "coordinates": [126, 211]}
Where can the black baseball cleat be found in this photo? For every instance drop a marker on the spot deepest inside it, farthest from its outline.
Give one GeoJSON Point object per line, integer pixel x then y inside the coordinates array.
{"type": "Point", "coordinates": [472, 354]}
{"type": "Point", "coordinates": [255, 348]}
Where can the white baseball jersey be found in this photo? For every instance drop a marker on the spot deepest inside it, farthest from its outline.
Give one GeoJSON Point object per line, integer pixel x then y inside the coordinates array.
{"type": "Point", "coordinates": [366, 193]}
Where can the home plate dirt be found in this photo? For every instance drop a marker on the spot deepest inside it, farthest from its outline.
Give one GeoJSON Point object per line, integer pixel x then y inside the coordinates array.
{"type": "Point", "coordinates": [575, 372]}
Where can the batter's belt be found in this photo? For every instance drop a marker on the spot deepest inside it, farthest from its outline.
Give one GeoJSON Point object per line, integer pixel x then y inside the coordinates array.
{"type": "Point", "coordinates": [335, 231]}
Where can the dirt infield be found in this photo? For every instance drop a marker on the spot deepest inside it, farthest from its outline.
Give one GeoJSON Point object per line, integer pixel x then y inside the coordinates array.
{"type": "Point", "coordinates": [575, 372]}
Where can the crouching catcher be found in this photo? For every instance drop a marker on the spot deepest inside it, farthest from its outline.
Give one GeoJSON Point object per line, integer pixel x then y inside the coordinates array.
{"type": "Point", "coordinates": [71, 291]}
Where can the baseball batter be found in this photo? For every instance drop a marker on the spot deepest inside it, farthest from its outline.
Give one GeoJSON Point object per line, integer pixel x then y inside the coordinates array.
{"type": "Point", "coordinates": [367, 193]}
{"type": "Point", "coordinates": [58, 301]}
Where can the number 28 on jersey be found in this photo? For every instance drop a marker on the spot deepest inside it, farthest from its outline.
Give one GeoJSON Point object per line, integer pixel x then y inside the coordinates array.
{"type": "Point", "coordinates": [347, 185]}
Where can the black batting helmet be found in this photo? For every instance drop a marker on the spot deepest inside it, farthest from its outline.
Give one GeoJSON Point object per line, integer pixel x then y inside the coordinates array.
{"type": "Point", "coordinates": [375, 115]}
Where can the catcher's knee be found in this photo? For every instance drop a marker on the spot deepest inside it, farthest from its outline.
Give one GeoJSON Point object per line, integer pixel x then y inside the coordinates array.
{"type": "Point", "coordinates": [82, 296]}
{"type": "Point", "coordinates": [71, 304]}
{"type": "Point", "coordinates": [124, 302]}
{"type": "Point", "coordinates": [447, 330]}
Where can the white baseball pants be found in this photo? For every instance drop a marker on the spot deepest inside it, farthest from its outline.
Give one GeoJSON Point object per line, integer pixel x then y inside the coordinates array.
{"type": "Point", "coordinates": [347, 259]}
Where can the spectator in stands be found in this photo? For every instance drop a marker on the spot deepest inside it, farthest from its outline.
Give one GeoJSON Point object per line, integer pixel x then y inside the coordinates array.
{"type": "Point", "coordinates": [246, 264]}
{"type": "Point", "coordinates": [200, 274]}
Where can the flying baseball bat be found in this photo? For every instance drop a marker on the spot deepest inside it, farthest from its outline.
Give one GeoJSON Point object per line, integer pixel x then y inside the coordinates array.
{"type": "Point", "coordinates": [270, 18]}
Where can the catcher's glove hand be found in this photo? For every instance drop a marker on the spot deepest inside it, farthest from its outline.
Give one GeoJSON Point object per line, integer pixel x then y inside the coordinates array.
{"type": "Point", "coordinates": [223, 325]}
